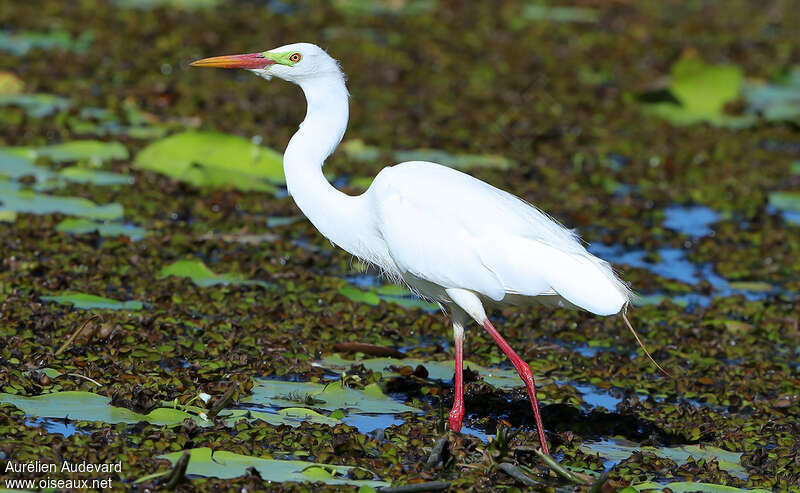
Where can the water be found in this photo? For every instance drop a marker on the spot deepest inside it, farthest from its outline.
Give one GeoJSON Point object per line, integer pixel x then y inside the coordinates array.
{"type": "Point", "coordinates": [673, 264]}
{"type": "Point", "coordinates": [694, 221]}
{"type": "Point", "coordinates": [60, 426]}
{"type": "Point", "coordinates": [596, 397]}
{"type": "Point", "coordinates": [368, 423]}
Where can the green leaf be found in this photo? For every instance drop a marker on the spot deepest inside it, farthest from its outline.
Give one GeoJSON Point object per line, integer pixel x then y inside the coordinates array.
{"type": "Point", "coordinates": [330, 397]}
{"type": "Point", "coordinates": [35, 203]}
{"type": "Point", "coordinates": [36, 105]}
{"type": "Point", "coordinates": [79, 174]}
{"type": "Point", "coordinates": [90, 301]}
{"type": "Point", "coordinates": [176, 4]}
{"type": "Point", "coordinates": [785, 201]}
{"type": "Point", "coordinates": [617, 450]}
{"type": "Point", "coordinates": [226, 465]}
{"type": "Point", "coordinates": [360, 295]}
{"type": "Point", "coordinates": [458, 161]}
{"type": "Point", "coordinates": [76, 150]}
{"type": "Point", "coordinates": [105, 229]}
{"type": "Point", "coordinates": [702, 91]}
{"type": "Point", "coordinates": [689, 487]}
{"type": "Point", "coordinates": [20, 43]}
{"type": "Point", "coordinates": [390, 293]}
{"type": "Point", "coordinates": [87, 406]}
{"type": "Point", "coordinates": [559, 14]}
{"type": "Point", "coordinates": [776, 101]}
{"type": "Point", "coordinates": [437, 370]}
{"type": "Point", "coordinates": [201, 275]}
{"type": "Point", "coordinates": [210, 159]}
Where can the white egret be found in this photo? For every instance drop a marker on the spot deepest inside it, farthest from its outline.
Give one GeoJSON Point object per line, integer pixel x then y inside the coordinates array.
{"type": "Point", "coordinates": [444, 234]}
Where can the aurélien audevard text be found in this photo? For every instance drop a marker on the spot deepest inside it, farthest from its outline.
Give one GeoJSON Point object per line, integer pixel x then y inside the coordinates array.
{"type": "Point", "coordinates": [36, 474]}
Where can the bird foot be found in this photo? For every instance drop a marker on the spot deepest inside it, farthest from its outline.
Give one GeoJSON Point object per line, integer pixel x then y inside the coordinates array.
{"type": "Point", "coordinates": [455, 418]}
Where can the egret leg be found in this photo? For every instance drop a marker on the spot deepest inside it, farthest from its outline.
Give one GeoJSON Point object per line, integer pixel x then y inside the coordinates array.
{"type": "Point", "coordinates": [525, 373]}
{"type": "Point", "coordinates": [457, 413]}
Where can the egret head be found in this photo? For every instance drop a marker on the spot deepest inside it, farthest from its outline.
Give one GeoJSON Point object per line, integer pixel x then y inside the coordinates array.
{"type": "Point", "coordinates": [295, 63]}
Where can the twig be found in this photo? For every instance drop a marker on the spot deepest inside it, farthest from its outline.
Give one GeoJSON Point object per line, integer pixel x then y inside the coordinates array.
{"type": "Point", "coordinates": [371, 349]}
{"type": "Point", "coordinates": [223, 401]}
{"type": "Point", "coordinates": [439, 448]}
{"type": "Point", "coordinates": [84, 377]}
{"type": "Point", "coordinates": [76, 333]}
{"type": "Point", "coordinates": [416, 487]}
{"type": "Point", "coordinates": [516, 473]}
{"type": "Point", "coordinates": [628, 323]}
{"type": "Point", "coordinates": [179, 471]}
{"type": "Point", "coordinates": [558, 468]}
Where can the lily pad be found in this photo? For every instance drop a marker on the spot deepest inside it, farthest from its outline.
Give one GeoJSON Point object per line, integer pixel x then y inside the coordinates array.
{"type": "Point", "coordinates": [15, 166]}
{"type": "Point", "coordinates": [785, 201]}
{"type": "Point", "coordinates": [689, 487]}
{"type": "Point", "coordinates": [777, 101]}
{"type": "Point", "coordinates": [87, 406]}
{"type": "Point", "coordinates": [618, 450]}
{"type": "Point", "coordinates": [370, 400]}
{"type": "Point", "coordinates": [26, 201]}
{"type": "Point", "coordinates": [702, 90]}
{"type": "Point", "coordinates": [211, 159]}
{"type": "Point", "coordinates": [10, 83]}
{"type": "Point", "coordinates": [358, 151]}
{"type": "Point", "coordinates": [176, 4]}
{"type": "Point", "coordinates": [90, 301]}
{"type": "Point", "coordinates": [22, 42]}
{"type": "Point", "coordinates": [80, 174]}
{"type": "Point", "coordinates": [77, 150]}
{"type": "Point", "coordinates": [226, 465]}
{"type": "Point", "coordinates": [390, 293]}
{"type": "Point", "coordinates": [458, 161]}
{"type": "Point", "coordinates": [559, 14]}
{"type": "Point", "coordinates": [292, 416]}
{"type": "Point", "coordinates": [437, 370]}
{"type": "Point", "coordinates": [36, 105]}
{"type": "Point", "coordinates": [201, 275]}
{"type": "Point", "coordinates": [106, 229]}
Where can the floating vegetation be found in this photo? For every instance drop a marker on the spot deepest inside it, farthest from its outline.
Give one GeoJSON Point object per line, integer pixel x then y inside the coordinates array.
{"type": "Point", "coordinates": [208, 159]}
{"type": "Point", "coordinates": [175, 4]}
{"type": "Point", "coordinates": [389, 293]}
{"type": "Point", "coordinates": [16, 200]}
{"type": "Point", "coordinates": [21, 42]}
{"type": "Point", "coordinates": [90, 301]}
{"type": "Point", "coordinates": [534, 12]}
{"type": "Point", "coordinates": [436, 370]}
{"type": "Point", "coordinates": [79, 150]}
{"type": "Point", "coordinates": [618, 450]}
{"type": "Point", "coordinates": [107, 229]}
{"type": "Point", "coordinates": [331, 397]}
{"type": "Point", "coordinates": [87, 406]}
{"type": "Point", "coordinates": [776, 101]}
{"type": "Point", "coordinates": [223, 464]}
{"type": "Point", "coordinates": [356, 149]}
{"type": "Point", "coordinates": [542, 99]}
{"type": "Point", "coordinates": [701, 91]}
{"type": "Point", "coordinates": [201, 275]}
{"type": "Point", "coordinates": [36, 105]}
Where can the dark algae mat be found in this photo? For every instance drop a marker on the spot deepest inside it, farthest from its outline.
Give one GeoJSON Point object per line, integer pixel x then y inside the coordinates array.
{"type": "Point", "coordinates": [170, 320]}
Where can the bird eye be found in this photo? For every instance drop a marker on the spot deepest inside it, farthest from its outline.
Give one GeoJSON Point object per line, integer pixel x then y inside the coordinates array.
{"type": "Point", "coordinates": [295, 57]}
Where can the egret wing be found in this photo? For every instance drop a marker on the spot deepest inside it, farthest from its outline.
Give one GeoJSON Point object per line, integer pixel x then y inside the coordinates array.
{"type": "Point", "coordinates": [453, 230]}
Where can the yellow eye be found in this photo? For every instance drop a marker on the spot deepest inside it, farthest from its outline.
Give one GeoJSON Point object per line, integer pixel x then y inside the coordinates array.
{"type": "Point", "coordinates": [295, 57]}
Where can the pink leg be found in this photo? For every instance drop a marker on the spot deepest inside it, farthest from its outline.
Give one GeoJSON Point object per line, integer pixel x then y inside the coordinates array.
{"type": "Point", "coordinates": [525, 373]}
{"type": "Point", "coordinates": [457, 413]}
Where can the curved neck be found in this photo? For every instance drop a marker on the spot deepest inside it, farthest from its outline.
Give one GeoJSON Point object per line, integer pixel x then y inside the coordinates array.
{"type": "Point", "coordinates": [336, 215]}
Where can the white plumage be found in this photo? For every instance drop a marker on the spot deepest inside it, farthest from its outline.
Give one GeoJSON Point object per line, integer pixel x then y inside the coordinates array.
{"type": "Point", "coordinates": [448, 236]}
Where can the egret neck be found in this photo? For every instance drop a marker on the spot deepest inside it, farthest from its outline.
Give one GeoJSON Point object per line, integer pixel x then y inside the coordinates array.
{"type": "Point", "coordinates": [335, 214]}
